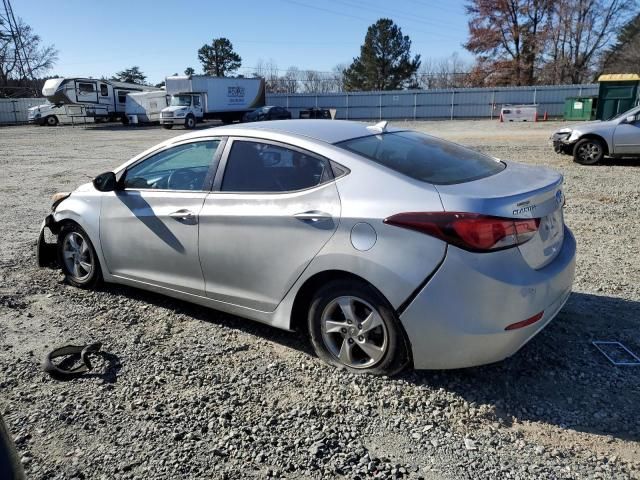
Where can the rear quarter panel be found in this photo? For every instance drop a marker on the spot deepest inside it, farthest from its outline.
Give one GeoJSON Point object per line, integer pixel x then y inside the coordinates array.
{"type": "Point", "coordinates": [400, 259]}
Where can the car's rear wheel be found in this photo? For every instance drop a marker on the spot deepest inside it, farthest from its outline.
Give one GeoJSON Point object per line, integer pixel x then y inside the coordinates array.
{"type": "Point", "coordinates": [352, 326]}
{"type": "Point", "coordinates": [588, 151]}
{"type": "Point", "coordinates": [78, 258]}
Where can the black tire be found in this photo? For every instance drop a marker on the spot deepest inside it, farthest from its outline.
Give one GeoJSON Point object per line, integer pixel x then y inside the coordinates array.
{"type": "Point", "coordinates": [168, 127]}
{"type": "Point", "coordinates": [93, 276]}
{"type": "Point", "coordinates": [51, 121]}
{"type": "Point", "coordinates": [395, 354]}
{"type": "Point", "coordinates": [588, 151]}
{"type": "Point", "coordinates": [124, 120]}
{"type": "Point", "coordinates": [190, 122]}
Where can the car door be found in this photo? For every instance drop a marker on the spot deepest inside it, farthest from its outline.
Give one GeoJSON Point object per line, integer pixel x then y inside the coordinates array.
{"type": "Point", "coordinates": [197, 106]}
{"type": "Point", "coordinates": [273, 207]}
{"type": "Point", "coordinates": [626, 137]}
{"type": "Point", "coordinates": [149, 225]}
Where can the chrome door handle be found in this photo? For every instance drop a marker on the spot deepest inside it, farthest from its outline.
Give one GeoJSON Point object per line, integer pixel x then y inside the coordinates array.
{"type": "Point", "coordinates": [313, 215]}
{"type": "Point", "coordinates": [184, 215]}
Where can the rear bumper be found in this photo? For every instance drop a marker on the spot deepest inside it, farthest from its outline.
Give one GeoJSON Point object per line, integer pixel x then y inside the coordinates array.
{"type": "Point", "coordinates": [458, 319]}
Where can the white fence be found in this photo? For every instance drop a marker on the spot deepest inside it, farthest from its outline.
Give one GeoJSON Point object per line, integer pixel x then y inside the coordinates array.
{"type": "Point", "coordinates": [14, 110]}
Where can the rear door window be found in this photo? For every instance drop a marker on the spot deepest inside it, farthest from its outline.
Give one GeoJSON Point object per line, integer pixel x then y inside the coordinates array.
{"type": "Point", "coordinates": [261, 167]}
{"type": "Point", "coordinates": [424, 158]}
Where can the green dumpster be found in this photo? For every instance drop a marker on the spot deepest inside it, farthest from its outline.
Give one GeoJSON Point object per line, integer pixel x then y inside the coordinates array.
{"type": "Point", "coordinates": [580, 108]}
{"type": "Point", "coordinates": [618, 93]}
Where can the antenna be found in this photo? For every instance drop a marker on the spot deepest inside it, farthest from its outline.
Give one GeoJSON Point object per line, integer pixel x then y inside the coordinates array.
{"type": "Point", "coordinates": [9, 30]}
{"type": "Point", "coordinates": [380, 127]}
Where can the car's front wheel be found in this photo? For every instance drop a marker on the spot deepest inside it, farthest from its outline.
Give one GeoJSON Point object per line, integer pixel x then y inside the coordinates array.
{"type": "Point", "coordinates": [52, 121]}
{"type": "Point", "coordinates": [352, 326]}
{"type": "Point", "coordinates": [588, 151]}
{"type": "Point", "coordinates": [78, 258]}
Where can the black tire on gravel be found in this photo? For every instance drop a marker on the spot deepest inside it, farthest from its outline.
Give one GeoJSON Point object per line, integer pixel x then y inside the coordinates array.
{"type": "Point", "coordinates": [396, 353]}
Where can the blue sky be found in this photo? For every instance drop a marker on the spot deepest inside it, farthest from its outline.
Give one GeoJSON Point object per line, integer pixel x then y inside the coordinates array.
{"type": "Point", "coordinates": [162, 37]}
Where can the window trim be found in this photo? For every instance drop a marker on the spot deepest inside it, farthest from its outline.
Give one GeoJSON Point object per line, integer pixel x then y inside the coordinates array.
{"type": "Point", "coordinates": [87, 92]}
{"type": "Point", "coordinates": [209, 177]}
{"type": "Point", "coordinates": [217, 183]}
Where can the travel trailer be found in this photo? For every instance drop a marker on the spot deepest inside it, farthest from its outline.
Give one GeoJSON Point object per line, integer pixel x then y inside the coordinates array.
{"type": "Point", "coordinates": [145, 107]}
{"type": "Point", "coordinates": [102, 99]}
{"type": "Point", "coordinates": [198, 97]}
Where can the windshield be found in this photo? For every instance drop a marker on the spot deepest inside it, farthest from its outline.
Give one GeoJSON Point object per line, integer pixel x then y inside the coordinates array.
{"type": "Point", "coordinates": [632, 111]}
{"type": "Point", "coordinates": [424, 158]}
{"type": "Point", "coordinates": [181, 100]}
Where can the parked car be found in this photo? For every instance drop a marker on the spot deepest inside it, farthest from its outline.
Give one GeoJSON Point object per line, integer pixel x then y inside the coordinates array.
{"type": "Point", "coordinates": [315, 113]}
{"type": "Point", "coordinates": [590, 142]}
{"type": "Point", "coordinates": [387, 245]}
{"type": "Point", "coordinates": [267, 113]}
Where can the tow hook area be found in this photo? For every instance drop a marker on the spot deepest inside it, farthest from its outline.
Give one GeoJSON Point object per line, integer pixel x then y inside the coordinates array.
{"type": "Point", "coordinates": [46, 253]}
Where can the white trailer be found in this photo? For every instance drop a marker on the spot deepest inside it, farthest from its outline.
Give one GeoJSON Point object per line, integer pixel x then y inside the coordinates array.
{"type": "Point", "coordinates": [101, 99]}
{"type": "Point", "coordinates": [198, 97]}
{"type": "Point", "coordinates": [145, 107]}
{"type": "Point", "coordinates": [519, 113]}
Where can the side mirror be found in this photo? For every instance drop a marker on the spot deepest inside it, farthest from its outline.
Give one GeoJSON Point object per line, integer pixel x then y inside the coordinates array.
{"type": "Point", "coordinates": [630, 119]}
{"type": "Point", "coordinates": [105, 182]}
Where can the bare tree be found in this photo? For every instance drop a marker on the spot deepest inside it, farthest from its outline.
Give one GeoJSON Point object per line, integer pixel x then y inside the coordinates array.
{"type": "Point", "coordinates": [41, 57]}
{"type": "Point", "coordinates": [448, 72]}
{"type": "Point", "coordinates": [511, 34]}
{"type": "Point", "coordinates": [269, 71]}
{"type": "Point", "coordinates": [582, 31]}
{"type": "Point", "coordinates": [290, 80]}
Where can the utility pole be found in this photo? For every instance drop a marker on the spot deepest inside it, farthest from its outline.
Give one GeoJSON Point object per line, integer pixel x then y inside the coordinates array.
{"type": "Point", "coordinates": [9, 29]}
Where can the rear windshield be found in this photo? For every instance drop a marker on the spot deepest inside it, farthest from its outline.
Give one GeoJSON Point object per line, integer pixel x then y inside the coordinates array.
{"type": "Point", "coordinates": [424, 158]}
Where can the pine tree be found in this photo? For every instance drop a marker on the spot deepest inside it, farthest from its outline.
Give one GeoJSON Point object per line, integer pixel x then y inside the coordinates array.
{"type": "Point", "coordinates": [385, 60]}
{"type": "Point", "coordinates": [219, 59]}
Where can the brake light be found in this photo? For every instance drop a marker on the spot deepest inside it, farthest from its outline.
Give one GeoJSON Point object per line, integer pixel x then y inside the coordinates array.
{"type": "Point", "coordinates": [470, 231]}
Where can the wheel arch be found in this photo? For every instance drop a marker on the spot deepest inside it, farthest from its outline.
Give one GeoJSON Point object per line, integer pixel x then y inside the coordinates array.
{"type": "Point", "coordinates": [78, 211]}
{"type": "Point", "coordinates": [595, 136]}
{"type": "Point", "coordinates": [304, 295]}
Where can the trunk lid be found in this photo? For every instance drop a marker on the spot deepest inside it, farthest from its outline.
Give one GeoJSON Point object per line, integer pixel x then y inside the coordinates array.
{"type": "Point", "coordinates": [518, 191]}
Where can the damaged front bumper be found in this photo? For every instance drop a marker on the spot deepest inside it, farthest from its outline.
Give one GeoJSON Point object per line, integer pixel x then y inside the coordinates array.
{"type": "Point", "coordinates": [561, 143]}
{"type": "Point", "coordinates": [46, 252]}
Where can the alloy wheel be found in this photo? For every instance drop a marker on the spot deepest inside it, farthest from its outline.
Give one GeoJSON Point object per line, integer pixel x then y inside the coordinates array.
{"type": "Point", "coordinates": [77, 256]}
{"type": "Point", "coordinates": [589, 152]}
{"type": "Point", "coordinates": [354, 332]}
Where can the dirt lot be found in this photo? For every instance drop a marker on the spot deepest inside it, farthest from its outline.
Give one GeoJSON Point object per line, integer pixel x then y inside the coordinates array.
{"type": "Point", "coordinates": [193, 393]}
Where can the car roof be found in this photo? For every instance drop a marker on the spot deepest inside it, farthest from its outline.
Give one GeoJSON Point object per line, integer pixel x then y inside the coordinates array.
{"type": "Point", "coordinates": [329, 131]}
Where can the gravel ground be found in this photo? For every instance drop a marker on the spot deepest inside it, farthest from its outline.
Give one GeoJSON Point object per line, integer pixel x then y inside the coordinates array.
{"type": "Point", "coordinates": [188, 392]}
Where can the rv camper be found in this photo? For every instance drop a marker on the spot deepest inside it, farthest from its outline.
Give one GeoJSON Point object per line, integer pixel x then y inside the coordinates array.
{"type": "Point", "coordinates": [145, 107]}
{"type": "Point", "coordinates": [102, 99]}
{"type": "Point", "coordinates": [198, 97]}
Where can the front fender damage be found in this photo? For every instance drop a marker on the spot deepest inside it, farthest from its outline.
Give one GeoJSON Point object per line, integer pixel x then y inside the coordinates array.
{"type": "Point", "coordinates": [46, 252]}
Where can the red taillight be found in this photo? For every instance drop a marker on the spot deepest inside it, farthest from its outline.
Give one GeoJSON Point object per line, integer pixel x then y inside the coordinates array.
{"type": "Point", "coordinates": [524, 323]}
{"type": "Point", "coordinates": [471, 231]}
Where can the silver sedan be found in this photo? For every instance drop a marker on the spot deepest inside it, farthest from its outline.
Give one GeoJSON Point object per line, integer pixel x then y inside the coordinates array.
{"type": "Point", "coordinates": [387, 246]}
